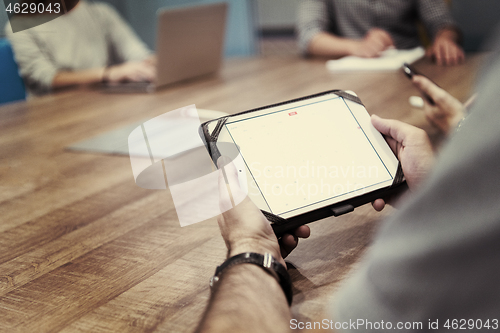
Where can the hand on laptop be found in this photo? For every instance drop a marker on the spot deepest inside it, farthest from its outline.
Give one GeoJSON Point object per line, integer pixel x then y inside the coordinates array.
{"type": "Point", "coordinates": [133, 71]}
{"type": "Point", "coordinates": [412, 148]}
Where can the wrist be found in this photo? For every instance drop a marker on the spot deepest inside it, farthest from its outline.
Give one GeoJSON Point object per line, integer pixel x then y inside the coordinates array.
{"type": "Point", "coordinates": [353, 47]}
{"type": "Point", "coordinates": [266, 263]}
{"type": "Point", "coordinates": [449, 33]}
{"type": "Point", "coordinates": [254, 245]}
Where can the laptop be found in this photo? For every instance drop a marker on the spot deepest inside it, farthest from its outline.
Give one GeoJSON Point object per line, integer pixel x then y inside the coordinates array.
{"type": "Point", "coordinates": [190, 44]}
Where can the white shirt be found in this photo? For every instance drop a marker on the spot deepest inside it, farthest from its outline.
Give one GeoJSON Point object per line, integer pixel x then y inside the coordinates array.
{"type": "Point", "coordinates": [92, 35]}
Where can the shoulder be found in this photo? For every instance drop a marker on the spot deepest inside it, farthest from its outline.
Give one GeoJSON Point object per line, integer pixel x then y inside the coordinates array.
{"type": "Point", "coordinates": [105, 14]}
{"type": "Point", "coordinates": [7, 29]}
{"type": "Point", "coordinates": [99, 7]}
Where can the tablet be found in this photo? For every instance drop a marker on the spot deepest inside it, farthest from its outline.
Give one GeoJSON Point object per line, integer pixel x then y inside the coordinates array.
{"type": "Point", "coordinates": [307, 159]}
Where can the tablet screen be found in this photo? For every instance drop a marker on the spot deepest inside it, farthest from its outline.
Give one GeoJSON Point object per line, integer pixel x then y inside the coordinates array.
{"type": "Point", "coordinates": [309, 154]}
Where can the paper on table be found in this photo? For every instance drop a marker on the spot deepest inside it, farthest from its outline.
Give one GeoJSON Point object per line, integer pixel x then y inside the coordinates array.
{"type": "Point", "coordinates": [390, 60]}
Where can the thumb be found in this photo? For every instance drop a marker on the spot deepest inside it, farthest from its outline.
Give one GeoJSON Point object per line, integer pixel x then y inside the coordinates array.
{"type": "Point", "coordinates": [392, 128]}
{"type": "Point", "coordinates": [428, 87]}
{"type": "Point", "coordinates": [395, 131]}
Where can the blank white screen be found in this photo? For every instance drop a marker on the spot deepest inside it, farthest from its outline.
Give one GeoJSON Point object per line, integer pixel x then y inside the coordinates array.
{"type": "Point", "coordinates": [308, 154]}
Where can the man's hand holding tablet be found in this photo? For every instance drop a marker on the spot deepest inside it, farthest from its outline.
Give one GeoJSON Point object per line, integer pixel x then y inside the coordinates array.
{"type": "Point", "coordinates": [412, 147]}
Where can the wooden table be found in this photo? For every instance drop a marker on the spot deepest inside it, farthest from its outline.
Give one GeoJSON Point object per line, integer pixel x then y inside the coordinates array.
{"type": "Point", "coordinates": [82, 248]}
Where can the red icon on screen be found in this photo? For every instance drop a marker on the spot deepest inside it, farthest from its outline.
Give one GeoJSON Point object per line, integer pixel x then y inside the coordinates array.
{"type": "Point", "coordinates": [292, 113]}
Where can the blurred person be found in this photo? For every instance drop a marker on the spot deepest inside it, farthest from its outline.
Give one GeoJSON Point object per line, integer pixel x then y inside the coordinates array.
{"type": "Point", "coordinates": [89, 44]}
{"type": "Point", "coordinates": [337, 28]}
{"type": "Point", "coordinates": [434, 262]}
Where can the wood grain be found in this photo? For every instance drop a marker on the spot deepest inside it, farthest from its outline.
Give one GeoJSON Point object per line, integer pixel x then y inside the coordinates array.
{"type": "Point", "coordinates": [83, 249]}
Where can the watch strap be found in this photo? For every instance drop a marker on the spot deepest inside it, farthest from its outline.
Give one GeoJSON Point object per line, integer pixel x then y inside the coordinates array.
{"type": "Point", "coordinates": [267, 262]}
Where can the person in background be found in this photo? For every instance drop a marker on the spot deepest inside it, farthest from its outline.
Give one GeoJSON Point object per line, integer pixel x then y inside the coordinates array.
{"type": "Point", "coordinates": [433, 264]}
{"type": "Point", "coordinates": [89, 44]}
{"type": "Point", "coordinates": [337, 28]}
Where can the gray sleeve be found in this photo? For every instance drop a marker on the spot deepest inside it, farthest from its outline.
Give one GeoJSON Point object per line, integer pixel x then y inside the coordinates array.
{"type": "Point", "coordinates": [125, 43]}
{"type": "Point", "coordinates": [312, 18]}
{"type": "Point", "coordinates": [435, 16]}
{"type": "Point", "coordinates": [35, 66]}
{"type": "Point", "coordinates": [437, 258]}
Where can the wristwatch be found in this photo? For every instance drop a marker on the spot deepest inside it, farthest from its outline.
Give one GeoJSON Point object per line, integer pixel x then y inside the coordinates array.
{"type": "Point", "coordinates": [267, 262]}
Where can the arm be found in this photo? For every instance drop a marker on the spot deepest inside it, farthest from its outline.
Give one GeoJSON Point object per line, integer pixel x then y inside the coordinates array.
{"type": "Point", "coordinates": [314, 18]}
{"type": "Point", "coordinates": [131, 71]}
{"type": "Point", "coordinates": [247, 298]}
{"type": "Point", "coordinates": [88, 76]}
{"type": "Point", "coordinates": [329, 45]}
{"type": "Point", "coordinates": [124, 41]}
{"type": "Point", "coordinates": [314, 38]}
{"type": "Point", "coordinates": [325, 44]}
{"type": "Point", "coordinates": [35, 66]}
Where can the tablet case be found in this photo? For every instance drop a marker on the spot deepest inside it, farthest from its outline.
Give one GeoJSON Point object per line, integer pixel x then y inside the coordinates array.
{"type": "Point", "coordinates": [281, 225]}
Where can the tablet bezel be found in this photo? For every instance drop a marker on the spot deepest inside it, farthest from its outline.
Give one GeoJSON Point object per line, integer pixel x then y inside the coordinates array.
{"type": "Point", "coordinates": [329, 209]}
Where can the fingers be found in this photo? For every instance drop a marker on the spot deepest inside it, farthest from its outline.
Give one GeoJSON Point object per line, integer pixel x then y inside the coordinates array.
{"type": "Point", "coordinates": [134, 71]}
{"type": "Point", "coordinates": [380, 37]}
{"type": "Point", "coordinates": [438, 55]}
{"type": "Point", "coordinates": [446, 52]}
{"type": "Point", "coordinates": [453, 55]}
{"type": "Point", "coordinates": [447, 111]}
{"type": "Point", "coordinates": [426, 86]}
{"type": "Point", "coordinates": [378, 205]}
{"type": "Point", "coordinates": [447, 103]}
{"type": "Point", "coordinates": [374, 42]}
{"type": "Point", "coordinates": [288, 242]}
{"type": "Point", "coordinates": [303, 231]}
{"type": "Point", "coordinates": [142, 72]}
{"type": "Point", "coordinates": [383, 127]}
{"type": "Point", "coordinates": [147, 72]}
{"type": "Point", "coordinates": [386, 39]}
{"type": "Point", "coordinates": [394, 129]}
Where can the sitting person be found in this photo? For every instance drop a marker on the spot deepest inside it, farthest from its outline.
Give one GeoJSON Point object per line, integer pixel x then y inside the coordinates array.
{"type": "Point", "coordinates": [89, 44]}
{"type": "Point", "coordinates": [337, 28]}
